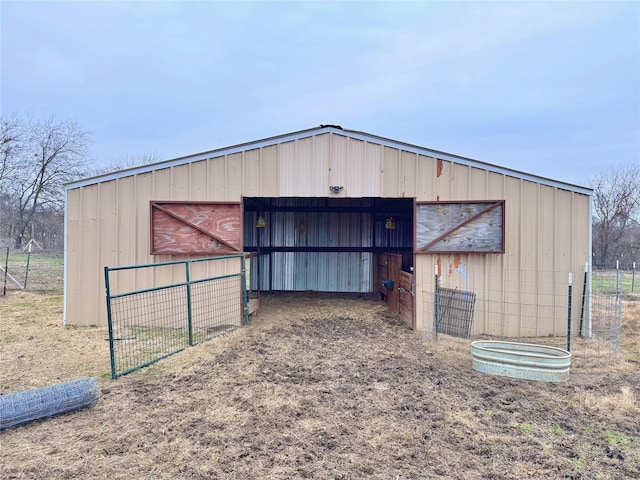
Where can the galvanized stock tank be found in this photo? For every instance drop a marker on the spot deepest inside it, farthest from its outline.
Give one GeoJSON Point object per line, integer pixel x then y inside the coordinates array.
{"type": "Point", "coordinates": [521, 360]}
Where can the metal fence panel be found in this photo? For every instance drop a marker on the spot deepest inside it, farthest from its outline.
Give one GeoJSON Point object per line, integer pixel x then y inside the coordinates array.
{"type": "Point", "coordinates": [31, 271]}
{"type": "Point", "coordinates": [455, 312]}
{"type": "Point", "coordinates": [148, 325]}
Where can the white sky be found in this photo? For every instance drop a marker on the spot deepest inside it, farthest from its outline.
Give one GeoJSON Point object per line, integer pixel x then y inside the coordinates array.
{"type": "Point", "coordinates": [551, 89]}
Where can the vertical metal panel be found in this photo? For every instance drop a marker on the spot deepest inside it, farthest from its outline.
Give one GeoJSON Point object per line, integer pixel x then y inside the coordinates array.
{"type": "Point", "coordinates": [407, 177]}
{"type": "Point", "coordinates": [320, 272]}
{"type": "Point", "coordinates": [126, 202]}
{"type": "Point", "coordinates": [529, 228]}
{"type": "Point", "coordinates": [73, 245]}
{"type": "Point", "coordinates": [216, 179]}
{"type": "Point", "coordinates": [339, 165]}
{"type": "Point", "coordinates": [425, 178]}
{"type": "Point", "coordinates": [180, 182]}
{"type": "Point", "coordinates": [391, 172]}
{"type": "Point", "coordinates": [270, 172]}
{"type": "Point", "coordinates": [478, 180]}
{"type": "Point", "coordinates": [234, 177]}
{"type": "Point", "coordinates": [372, 182]}
{"type": "Point", "coordinates": [198, 181]}
{"type": "Point", "coordinates": [162, 184]}
{"type": "Point", "coordinates": [252, 179]}
{"type": "Point", "coordinates": [356, 166]}
{"type": "Point", "coordinates": [580, 241]}
{"type": "Point", "coordinates": [304, 167]}
{"type": "Point", "coordinates": [89, 278]}
{"type": "Point", "coordinates": [459, 182]}
{"type": "Point", "coordinates": [444, 179]}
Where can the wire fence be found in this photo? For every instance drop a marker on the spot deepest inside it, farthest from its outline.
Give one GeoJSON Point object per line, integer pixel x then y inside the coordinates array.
{"type": "Point", "coordinates": [31, 272]}
{"type": "Point", "coordinates": [148, 325]}
{"type": "Point", "coordinates": [575, 311]}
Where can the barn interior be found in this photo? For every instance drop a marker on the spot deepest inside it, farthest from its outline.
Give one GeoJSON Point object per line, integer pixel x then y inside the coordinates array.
{"type": "Point", "coordinates": [342, 245]}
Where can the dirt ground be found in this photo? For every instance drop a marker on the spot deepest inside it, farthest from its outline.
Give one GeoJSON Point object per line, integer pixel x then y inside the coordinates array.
{"type": "Point", "coordinates": [316, 387]}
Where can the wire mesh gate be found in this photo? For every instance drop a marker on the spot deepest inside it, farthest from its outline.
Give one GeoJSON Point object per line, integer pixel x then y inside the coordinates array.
{"type": "Point", "coordinates": [149, 324]}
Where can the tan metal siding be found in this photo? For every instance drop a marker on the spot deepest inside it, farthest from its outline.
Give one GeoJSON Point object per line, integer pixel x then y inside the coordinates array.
{"type": "Point", "coordinates": [408, 175]}
{"type": "Point", "coordinates": [425, 179]}
{"type": "Point", "coordinates": [460, 183]}
{"type": "Point", "coordinates": [180, 182]}
{"type": "Point", "coordinates": [443, 180]}
{"type": "Point", "coordinates": [198, 189]}
{"type": "Point", "coordinates": [216, 179]}
{"type": "Point", "coordinates": [270, 172]}
{"type": "Point", "coordinates": [478, 180]}
{"type": "Point", "coordinates": [89, 277]}
{"type": "Point", "coordinates": [372, 181]}
{"type": "Point", "coordinates": [391, 172]}
{"type": "Point", "coordinates": [253, 172]}
{"type": "Point", "coordinates": [234, 171]}
{"type": "Point", "coordinates": [355, 165]}
{"type": "Point", "coordinates": [304, 167]}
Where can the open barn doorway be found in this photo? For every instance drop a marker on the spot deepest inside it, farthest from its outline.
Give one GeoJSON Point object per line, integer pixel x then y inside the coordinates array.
{"type": "Point", "coordinates": [341, 245]}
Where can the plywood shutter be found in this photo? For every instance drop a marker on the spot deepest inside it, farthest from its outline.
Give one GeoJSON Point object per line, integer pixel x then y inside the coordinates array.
{"type": "Point", "coordinates": [198, 228]}
{"type": "Point", "coordinates": [460, 227]}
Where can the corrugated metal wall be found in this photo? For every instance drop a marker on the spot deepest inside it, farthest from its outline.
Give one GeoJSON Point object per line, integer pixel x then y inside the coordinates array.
{"type": "Point", "coordinates": [317, 229]}
{"type": "Point", "coordinates": [547, 227]}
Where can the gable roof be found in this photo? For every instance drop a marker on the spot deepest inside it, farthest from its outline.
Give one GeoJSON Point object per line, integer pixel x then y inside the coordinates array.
{"type": "Point", "coordinates": [336, 129]}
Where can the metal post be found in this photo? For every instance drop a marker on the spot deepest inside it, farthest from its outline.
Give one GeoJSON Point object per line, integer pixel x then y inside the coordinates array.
{"type": "Point", "coordinates": [584, 297]}
{"type": "Point", "coordinates": [435, 314]}
{"type": "Point", "coordinates": [569, 314]}
{"type": "Point", "coordinates": [6, 269]}
{"type": "Point", "coordinates": [633, 277]}
{"type": "Point", "coordinates": [26, 273]}
{"type": "Point", "coordinates": [245, 298]}
{"type": "Point", "coordinates": [112, 353]}
{"type": "Point", "coordinates": [617, 279]}
{"type": "Point", "coordinates": [189, 320]}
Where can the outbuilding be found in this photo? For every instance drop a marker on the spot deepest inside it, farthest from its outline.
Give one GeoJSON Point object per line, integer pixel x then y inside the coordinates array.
{"type": "Point", "coordinates": [334, 210]}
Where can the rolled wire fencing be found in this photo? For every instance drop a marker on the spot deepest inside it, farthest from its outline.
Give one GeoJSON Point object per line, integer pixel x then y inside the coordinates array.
{"type": "Point", "coordinates": [149, 324]}
{"type": "Point", "coordinates": [576, 311]}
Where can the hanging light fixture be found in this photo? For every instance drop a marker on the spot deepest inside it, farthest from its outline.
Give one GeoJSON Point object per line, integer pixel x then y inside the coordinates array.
{"type": "Point", "coordinates": [261, 223]}
{"type": "Point", "coordinates": [390, 224]}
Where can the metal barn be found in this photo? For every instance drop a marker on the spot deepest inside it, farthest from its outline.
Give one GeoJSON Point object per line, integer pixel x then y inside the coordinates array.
{"type": "Point", "coordinates": [335, 210]}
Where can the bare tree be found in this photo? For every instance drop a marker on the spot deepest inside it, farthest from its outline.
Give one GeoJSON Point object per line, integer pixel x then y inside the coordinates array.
{"type": "Point", "coordinates": [130, 161]}
{"type": "Point", "coordinates": [11, 140]}
{"type": "Point", "coordinates": [49, 153]}
{"type": "Point", "coordinates": [616, 210]}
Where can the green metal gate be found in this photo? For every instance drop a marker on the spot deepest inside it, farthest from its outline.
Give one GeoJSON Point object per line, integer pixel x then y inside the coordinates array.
{"type": "Point", "coordinates": [149, 324]}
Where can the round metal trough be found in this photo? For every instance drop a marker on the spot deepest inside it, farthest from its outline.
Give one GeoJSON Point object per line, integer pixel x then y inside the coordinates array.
{"type": "Point", "coordinates": [521, 360]}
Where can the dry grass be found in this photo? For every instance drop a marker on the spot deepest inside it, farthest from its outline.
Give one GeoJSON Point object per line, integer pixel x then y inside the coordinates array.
{"type": "Point", "coordinates": [316, 387]}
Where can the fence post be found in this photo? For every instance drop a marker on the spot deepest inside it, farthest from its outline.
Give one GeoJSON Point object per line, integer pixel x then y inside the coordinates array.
{"type": "Point", "coordinates": [189, 319]}
{"type": "Point", "coordinates": [245, 300]}
{"type": "Point", "coordinates": [633, 277]}
{"type": "Point", "coordinates": [6, 268]}
{"type": "Point", "coordinates": [112, 354]}
{"type": "Point", "coordinates": [584, 296]}
{"type": "Point", "coordinates": [26, 273]}
{"type": "Point", "coordinates": [435, 313]}
{"type": "Point", "coordinates": [569, 314]}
